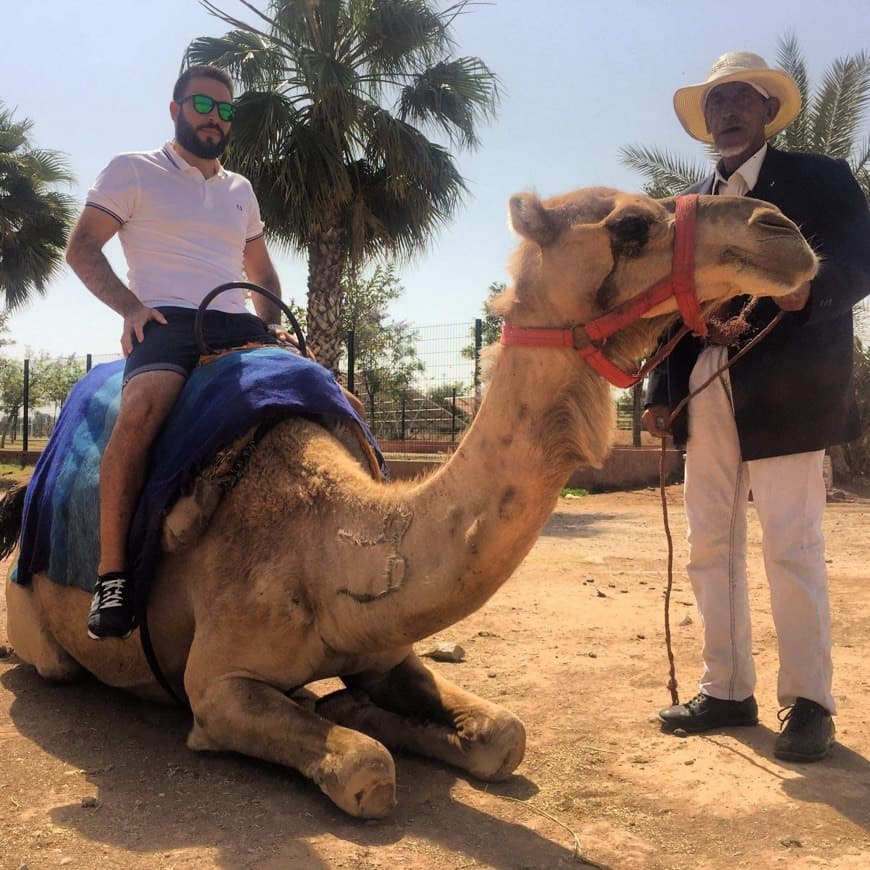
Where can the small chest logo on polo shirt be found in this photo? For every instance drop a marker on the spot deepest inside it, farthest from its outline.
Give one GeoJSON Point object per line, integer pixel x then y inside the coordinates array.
{"type": "Point", "coordinates": [239, 206]}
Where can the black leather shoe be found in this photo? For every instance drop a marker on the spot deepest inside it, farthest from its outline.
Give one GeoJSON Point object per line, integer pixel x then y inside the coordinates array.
{"type": "Point", "coordinates": [808, 734]}
{"type": "Point", "coordinates": [704, 713]}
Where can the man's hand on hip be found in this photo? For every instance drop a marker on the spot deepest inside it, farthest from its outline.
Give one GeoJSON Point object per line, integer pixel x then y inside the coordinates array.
{"type": "Point", "coordinates": [134, 326]}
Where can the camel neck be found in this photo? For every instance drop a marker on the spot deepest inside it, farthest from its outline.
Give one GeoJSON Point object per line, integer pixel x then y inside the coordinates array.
{"type": "Point", "coordinates": [489, 503]}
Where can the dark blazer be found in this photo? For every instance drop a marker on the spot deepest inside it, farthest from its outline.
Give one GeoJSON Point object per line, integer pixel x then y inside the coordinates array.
{"type": "Point", "coordinates": [794, 392]}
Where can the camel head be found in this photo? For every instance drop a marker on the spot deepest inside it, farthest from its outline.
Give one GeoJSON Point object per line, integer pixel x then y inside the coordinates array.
{"type": "Point", "coordinates": [584, 253]}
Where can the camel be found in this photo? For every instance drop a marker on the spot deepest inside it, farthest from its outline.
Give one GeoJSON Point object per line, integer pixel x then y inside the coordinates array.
{"type": "Point", "coordinates": [310, 569]}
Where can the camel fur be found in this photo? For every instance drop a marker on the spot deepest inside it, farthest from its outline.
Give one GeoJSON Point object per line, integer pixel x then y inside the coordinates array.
{"type": "Point", "coordinates": [309, 569]}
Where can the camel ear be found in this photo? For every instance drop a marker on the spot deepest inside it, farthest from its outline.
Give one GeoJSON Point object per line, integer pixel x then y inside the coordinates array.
{"type": "Point", "coordinates": [531, 220]}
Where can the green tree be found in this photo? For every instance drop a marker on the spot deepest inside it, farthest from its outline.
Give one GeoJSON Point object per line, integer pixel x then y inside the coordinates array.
{"type": "Point", "coordinates": [35, 218]}
{"type": "Point", "coordinates": [11, 397]}
{"type": "Point", "coordinates": [490, 322]}
{"type": "Point", "coordinates": [4, 329]}
{"type": "Point", "coordinates": [831, 122]}
{"type": "Point", "coordinates": [337, 99]}
{"type": "Point", "coordinates": [385, 351]}
{"type": "Point", "coordinates": [51, 379]}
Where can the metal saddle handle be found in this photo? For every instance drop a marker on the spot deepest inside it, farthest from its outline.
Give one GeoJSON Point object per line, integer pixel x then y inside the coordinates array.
{"type": "Point", "coordinates": [204, 349]}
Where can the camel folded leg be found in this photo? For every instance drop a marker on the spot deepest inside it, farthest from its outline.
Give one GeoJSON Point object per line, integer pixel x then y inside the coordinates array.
{"type": "Point", "coordinates": [241, 714]}
{"type": "Point", "coordinates": [32, 641]}
{"type": "Point", "coordinates": [411, 708]}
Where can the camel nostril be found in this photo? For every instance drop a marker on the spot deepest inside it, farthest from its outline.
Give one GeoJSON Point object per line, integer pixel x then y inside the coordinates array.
{"type": "Point", "coordinates": [771, 220]}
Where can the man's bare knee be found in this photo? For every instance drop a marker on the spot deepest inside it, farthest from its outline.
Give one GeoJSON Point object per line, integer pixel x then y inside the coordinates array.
{"type": "Point", "coordinates": [146, 402]}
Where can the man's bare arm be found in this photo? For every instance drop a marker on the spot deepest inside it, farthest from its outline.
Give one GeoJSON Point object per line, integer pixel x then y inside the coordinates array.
{"type": "Point", "coordinates": [259, 269]}
{"type": "Point", "coordinates": [85, 255]}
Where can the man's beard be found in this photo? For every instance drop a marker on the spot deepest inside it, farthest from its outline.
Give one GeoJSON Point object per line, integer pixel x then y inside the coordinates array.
{"type": "Point", "coordinates": [185, 135]}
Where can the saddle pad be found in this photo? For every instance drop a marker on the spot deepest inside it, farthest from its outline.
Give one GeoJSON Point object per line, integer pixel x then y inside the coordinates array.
{"type": "Point", "coordinates": [219, 402]}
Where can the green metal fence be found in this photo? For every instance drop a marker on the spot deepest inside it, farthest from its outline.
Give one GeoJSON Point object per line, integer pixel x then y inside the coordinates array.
{"type": "Point", "coordinates": [419, 397]}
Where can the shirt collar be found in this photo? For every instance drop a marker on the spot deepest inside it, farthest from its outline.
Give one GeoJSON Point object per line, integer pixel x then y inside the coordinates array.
{"type": "Point", "coordinates": [748, 170]}
{"type": "Point", "coordinates": [180, 163]}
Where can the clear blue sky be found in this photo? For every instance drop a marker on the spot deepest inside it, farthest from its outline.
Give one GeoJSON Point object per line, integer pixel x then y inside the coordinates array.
{"type": "Point", "coordinates": [580, 78]}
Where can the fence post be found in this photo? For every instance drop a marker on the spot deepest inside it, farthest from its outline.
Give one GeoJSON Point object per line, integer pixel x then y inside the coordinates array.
{"type": "Point", "coordinates": [402, 437]}
{"type": "Point", "coordinates": [478, 346]}
{"type": "Point", "coordinates": [636, 411]}
{"type": "Point", "coordinates": [453, 420]}
{"type": "Point", "coordinates": [89, 361]}
{"type": "Point", "coordinates": [25, 421]}
{"type": "Point", "coordinates": [351, 360]}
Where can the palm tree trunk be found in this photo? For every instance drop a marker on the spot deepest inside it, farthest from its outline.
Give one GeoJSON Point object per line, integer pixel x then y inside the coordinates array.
{"type": "Point", "coordinates": [325, 264]}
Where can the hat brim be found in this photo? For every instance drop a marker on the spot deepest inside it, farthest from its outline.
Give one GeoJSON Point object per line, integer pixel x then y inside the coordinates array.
{"type": "Point", "coordinates": [689, 101]}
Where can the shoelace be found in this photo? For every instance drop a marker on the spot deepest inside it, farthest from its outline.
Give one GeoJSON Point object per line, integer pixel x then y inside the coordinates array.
{"type": "Point", "coordinates": [787, 714]}
{"type": "Point", "coordinates": [112, 593]}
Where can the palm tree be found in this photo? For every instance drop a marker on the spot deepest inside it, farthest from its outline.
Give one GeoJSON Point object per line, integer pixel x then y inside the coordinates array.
{"type": "Point", "coordinates": [35, 219]}
{"type": "Point", "coordinates": [336, 96]}
{"type": "Point", "coordinates": [830, 122]}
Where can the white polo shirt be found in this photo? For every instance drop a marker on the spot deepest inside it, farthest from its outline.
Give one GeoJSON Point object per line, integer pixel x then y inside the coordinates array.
{"type": "Point", "coordinates": [182, 234]}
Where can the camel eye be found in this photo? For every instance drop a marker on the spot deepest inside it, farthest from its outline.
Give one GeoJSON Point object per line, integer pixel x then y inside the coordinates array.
{"type": "Point", "coordinates": [628, 235]}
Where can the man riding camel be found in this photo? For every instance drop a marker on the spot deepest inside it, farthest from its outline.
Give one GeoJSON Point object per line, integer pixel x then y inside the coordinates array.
{"type": "Point", "coordinates": [186, 225]}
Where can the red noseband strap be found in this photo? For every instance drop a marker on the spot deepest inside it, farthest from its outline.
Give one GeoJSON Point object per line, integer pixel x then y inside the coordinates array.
{"type": "Point", "coordinates": [683, 264]}
{"type": "Point", "coordinates": [589, 339]}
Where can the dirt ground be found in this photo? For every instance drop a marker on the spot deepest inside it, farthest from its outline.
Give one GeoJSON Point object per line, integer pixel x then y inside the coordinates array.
{"type": "Point", "coordinates": [574, 644]}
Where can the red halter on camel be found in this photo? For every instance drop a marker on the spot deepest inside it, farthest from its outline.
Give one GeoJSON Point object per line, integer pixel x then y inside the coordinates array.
{"type": "Point", "coordinates": [589, 339]}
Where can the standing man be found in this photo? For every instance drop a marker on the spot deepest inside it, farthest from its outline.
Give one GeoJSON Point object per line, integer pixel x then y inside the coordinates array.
{"type": "Point", "coordinates": [186, 225]}
{"type": "Point", "coordinates": [764, 424]}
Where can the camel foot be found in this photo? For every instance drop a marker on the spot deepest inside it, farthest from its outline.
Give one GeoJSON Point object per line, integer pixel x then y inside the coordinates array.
{"type": "Point", "coordinates": [487, 741]}
{"type": "Point", "coordinates": [363, 784]}
{"type": "Point", "coordinates": [240, 714]}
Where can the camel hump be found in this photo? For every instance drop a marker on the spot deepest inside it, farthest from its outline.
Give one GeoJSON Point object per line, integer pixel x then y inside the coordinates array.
{"type": "Point", "coordinates": [191, 513]}
{"type": "Point", "coordinates": [11, 513]}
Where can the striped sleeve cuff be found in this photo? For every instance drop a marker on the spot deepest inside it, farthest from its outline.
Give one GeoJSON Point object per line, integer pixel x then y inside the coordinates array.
{"type": "Point", "coordinates": [108, 211]}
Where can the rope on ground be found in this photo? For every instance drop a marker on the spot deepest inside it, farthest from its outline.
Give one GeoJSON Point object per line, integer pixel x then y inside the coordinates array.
{"type": "Point", "coordinates": [578, 855]}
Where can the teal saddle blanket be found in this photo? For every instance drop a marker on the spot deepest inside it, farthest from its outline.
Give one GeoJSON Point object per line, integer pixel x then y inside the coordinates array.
{"type": "Point", "coordinates": [219, 403]}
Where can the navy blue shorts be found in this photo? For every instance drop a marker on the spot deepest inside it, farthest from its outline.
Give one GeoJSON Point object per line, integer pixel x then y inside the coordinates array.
{"type": "Point", "coordinates": [172, 347]}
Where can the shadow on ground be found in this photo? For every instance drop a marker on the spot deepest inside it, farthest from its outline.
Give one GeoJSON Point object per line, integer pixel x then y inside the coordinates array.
{"type": "Point", "coordinates": [154, 795]}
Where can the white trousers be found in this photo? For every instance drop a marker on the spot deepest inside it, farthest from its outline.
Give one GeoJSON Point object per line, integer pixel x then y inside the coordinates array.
{"type": "Point", "coordinates": [789, 496]}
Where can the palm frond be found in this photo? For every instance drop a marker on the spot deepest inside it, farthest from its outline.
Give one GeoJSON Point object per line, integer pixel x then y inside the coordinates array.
{"type": "Point", "coordinates": [667, 173]}
{"type": "Point", "coordinates": [246, 57]}
{"type": "Point", "coordinates": [262, 119]}
{"type": "Point", "coordinates": [35, 219]}
{"type": "Point", "coordinates": [839, 105]}
{"type": "Point", "coordinates": [860, 165]}
{"type": "Point", "coordinates": [790, 59]}
{"type": "Point", "coordinates": [395, 36]}
{"type": "Point", "coordinates": [454, 96]}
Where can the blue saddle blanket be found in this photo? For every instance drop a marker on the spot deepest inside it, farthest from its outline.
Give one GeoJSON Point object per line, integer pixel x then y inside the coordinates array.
{"type": "Point", "coordinates": [219, 403]}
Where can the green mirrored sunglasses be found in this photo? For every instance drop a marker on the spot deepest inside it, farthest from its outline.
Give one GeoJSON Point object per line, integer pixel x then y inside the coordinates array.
{"type": "Point", "coordinates": [203, 104]}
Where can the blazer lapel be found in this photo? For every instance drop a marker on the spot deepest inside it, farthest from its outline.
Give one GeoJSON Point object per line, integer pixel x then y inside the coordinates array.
{"type": "Point", "coordinates": [766, 187]}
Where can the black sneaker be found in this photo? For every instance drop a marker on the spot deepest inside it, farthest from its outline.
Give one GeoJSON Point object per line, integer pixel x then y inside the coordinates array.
{"type": "Point", "coordinates": [704, 713]}
{"type": "Point", "coordinates": [113, 612]}
{"type": "Point", "coordinates": [808, 734]}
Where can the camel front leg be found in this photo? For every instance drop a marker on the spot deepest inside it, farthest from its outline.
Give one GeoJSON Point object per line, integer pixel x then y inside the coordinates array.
{"type": "Point", "coordinates": [241, 714]}
{"type": "Point", "coordinates": [31, 639]}
{"type": "Point", "coordinates": [411, 708]}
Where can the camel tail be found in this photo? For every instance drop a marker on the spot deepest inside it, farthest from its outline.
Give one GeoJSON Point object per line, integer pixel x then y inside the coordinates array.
{"type": "Point", "coordinates": [11, 513]}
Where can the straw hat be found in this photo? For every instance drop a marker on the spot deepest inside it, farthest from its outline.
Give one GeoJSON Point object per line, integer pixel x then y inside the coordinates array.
{"type": "Point", "coordinates": [739, 66]}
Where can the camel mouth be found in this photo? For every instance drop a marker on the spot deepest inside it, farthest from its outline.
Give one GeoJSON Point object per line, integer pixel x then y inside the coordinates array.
{"type": "Point", "coordinates": [798, 268]}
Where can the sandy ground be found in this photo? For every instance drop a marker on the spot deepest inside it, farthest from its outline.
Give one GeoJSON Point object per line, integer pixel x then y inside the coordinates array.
{"type": "Point", "coordinates": [573, 643]}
